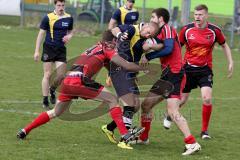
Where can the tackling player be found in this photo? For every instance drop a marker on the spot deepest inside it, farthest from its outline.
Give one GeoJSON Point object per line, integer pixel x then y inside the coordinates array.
{"type": "Point", "coordinates": [79, 83]}
{"type": "Point", "coordinates": [172, 72]}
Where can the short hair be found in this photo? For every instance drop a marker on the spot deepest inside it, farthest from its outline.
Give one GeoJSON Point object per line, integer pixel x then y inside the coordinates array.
{"type": "Point", "coordinates": [55, 1]}
{"type": "Point", "coordinates": [162, 12]}
{"type": "Point", "coordinates": [201, 7]}
{"type": "Point", "coordinates": [107, 36]}
{"type": "Point", "coordinates": [155, 26]}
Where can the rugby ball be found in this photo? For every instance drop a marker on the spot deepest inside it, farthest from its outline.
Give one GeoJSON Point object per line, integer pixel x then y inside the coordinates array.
{"type": "Point", "coordinates": [150, 41]}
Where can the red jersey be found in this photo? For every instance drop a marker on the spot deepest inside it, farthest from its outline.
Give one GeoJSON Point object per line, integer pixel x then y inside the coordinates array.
{"type": "Point", "coordinates": [199, 43]}
{"type": "Point", "coordinates": [93, 59]}
{"type": "Point", "coordinates": [174, 60]}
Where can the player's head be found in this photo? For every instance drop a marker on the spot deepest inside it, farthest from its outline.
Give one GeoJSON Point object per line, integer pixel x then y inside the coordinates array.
{"type": "Point", "coordinates": [149, 30]}
{"type": "Point", "coordinates": [129, 4]}
{"type": "Point", "coordinates": [59, 6]}
{"type": "Point", "coordinates": [108, 39]}
{"type": "Point", "coordinates": [200, 14]}
{"type": "Point", "coordinates": [160, 16]}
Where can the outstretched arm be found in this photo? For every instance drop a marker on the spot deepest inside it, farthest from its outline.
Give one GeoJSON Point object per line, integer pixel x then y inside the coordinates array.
{"type": "Point", "coordinates": [130, 66]}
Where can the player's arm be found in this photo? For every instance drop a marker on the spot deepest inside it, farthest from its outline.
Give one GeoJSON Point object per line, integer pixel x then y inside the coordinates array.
{"type": "Point", "coordinates": [112, 24]}
{"type": "Point", "coordinates": [40, 36]}
{"type": "Point", "coordinates": [168, 45]}
{"type": "Point", "coordinates": [130, 66]}
{"type": "Point", "coordinates": [228, 54]}
{"type": "Point", "coordinates": [70, 32]}
{"type": "Point", "coordinates": [114, 20]}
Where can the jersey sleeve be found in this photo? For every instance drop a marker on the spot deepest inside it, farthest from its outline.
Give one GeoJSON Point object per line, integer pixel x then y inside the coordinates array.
{"type": "Point", "coordinates": [44, 23]}
{"type": "Point", "coordinates": [117, 15]}
{"type": "Point", "coordinates": [220, 38]}
{"type": "Point", "coordinates": [182, 38]}
{"type": "Point", "coordinates": [129, 29]}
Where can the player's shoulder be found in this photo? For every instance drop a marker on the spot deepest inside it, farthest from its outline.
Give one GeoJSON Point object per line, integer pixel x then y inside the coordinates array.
{"type": "Point", "coordinates": [214, 27]}
{"type": "Point", "coordinates": [188, 26]}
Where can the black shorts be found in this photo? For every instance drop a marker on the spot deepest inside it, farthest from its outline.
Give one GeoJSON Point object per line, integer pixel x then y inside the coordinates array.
{"type": "Point", "coordinates": [197, 76]}
{"type": "Point", "coordinates": [124, 82]}
{"type": "Point", "coordinates": [170, 84]}
{"type": "Point", "coordinates": [53, 53]}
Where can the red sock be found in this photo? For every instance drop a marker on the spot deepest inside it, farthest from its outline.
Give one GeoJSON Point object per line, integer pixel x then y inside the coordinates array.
{"type": "Point", "coordinates": [40, 120]}
{"type": "Point", "coordinates": [146, 120]}
{"type": "Point", "coordinates": [116, 114]}
{"type": "Point", "coordinates": [189, 140]}
{"type": "Point", "coordinates": [206, 114]}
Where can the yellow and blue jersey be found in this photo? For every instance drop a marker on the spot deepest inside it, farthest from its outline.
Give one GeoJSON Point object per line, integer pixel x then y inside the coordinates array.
{"type": "Point", "coordinates": [56, 28]}
{"type": "Point", "coordinates": [133, 52]}
{"type": "Point", "coordinates": [125, 16]}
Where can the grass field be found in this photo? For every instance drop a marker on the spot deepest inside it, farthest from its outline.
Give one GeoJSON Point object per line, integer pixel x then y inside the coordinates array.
{"type": "Point", "coordinates": [20, 97]}
{"type": "Point", "coordinates": [223, 7]}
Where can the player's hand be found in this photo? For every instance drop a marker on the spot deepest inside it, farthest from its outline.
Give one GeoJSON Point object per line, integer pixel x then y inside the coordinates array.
{"type": "Point", "coordinates": [36, 56]}
{"type": "Point", "coordinates": [230, 70]}
{"type": "Point", "coordinates": [122, 36]}
{"type": "Point", "coordinates": [66, 38]}
{"type": "Point", "coordinates": [144, 61]}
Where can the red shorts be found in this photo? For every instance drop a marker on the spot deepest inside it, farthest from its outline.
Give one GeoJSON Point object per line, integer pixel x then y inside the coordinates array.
{"type": "Point", "coordinates": [74, 87]}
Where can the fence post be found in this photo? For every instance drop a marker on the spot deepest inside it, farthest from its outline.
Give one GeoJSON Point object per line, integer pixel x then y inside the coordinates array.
{"type": "Point", "coordinates": [22, 10]}
{"type": "Point", "coordinates": [102, 14]}
{"type": "Point", "coordinates": [185, 14]}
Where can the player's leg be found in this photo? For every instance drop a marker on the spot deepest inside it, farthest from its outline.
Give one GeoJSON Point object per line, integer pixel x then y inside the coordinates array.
{"type": "Point", "coordinates": [146, 115]}
{"type": "Point", "coordinates": [127, 91]}
{"type": "Point", "coordinates": [117, 115]}
{"type": "Point", "coordinates": [173, 110]}
{"type": "Point", "coordinates": [206, 93]}
{"type": "Point", "coordinates": [47, 68]}
{"type": "Point", "coordinates": [43, 118]}
{"type": "Point", "coordinates": [167, 120]}
{"type": "Point", "coordinates": [60, 73]}
{"type": "Point", "coordinates": [205, 83]}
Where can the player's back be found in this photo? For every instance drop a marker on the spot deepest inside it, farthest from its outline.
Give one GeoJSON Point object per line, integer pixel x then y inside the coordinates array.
{"type": "Point", "coordinates": [93, 59]}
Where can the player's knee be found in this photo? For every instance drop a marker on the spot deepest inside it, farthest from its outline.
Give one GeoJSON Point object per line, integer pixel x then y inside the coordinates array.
{"type": "Point", "coordinates": [111, 100]}
{"type": "Point", "coordinates": [52, 113]}
{"type": "Point", "coordinates": [207, 100]}
{"type": "Point", "coordinates": [47, 75]}
{"type": "Point", "coordinates": [146, 106]}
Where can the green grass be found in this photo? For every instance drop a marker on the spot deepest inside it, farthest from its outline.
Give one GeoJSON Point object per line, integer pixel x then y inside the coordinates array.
{"type": "Point", "coordinates": [20, 97]}
{"type": "Point", "coordinates": [223, 7]}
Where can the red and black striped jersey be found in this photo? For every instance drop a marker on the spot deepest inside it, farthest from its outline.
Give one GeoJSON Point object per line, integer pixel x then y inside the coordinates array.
{"type": "Point", "coordinates": [199, 43]}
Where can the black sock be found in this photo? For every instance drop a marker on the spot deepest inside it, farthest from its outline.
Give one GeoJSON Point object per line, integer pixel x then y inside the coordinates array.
{"type": "Point", "coordinates": [169, 118]}
{"type": "Point", "coordinates": [45, 98]}
{"type": "Point", "coordinates": [111, 126]}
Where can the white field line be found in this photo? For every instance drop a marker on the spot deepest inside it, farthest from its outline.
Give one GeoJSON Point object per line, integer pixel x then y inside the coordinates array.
{"type": "Point", "coordinates": [39, 102]}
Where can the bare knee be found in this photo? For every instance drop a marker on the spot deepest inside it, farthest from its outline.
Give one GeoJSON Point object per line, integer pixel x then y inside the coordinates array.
{"type": "Point", "coordinates": [47, 75]}
{"type": "Point", "coordinates": [111, 100]}
{"type": "Point", "coordinates": [146, 106]}
{"type": "Point", "coordinates": [207, 100]}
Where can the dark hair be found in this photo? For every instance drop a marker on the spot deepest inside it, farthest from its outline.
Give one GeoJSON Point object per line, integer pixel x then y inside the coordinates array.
{"type": "Point", "coordinates": [107, 36]}
{"type": "Point", "coordinates": [162, 12]}
{"type": "Point", "coordinates": [201, 7]}
{"type": "Point", "coordinates": [55, 1]}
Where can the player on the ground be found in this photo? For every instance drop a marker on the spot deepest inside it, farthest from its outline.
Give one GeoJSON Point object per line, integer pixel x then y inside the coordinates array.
{"type": "Point", "coordinates": [199, 37]}
{"type": "Point", "coordinates": [79, 83]}
{"type": "Point", "coordinates": [130, 48]}
{"type": "Point", "coordinates": [172, 72]}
